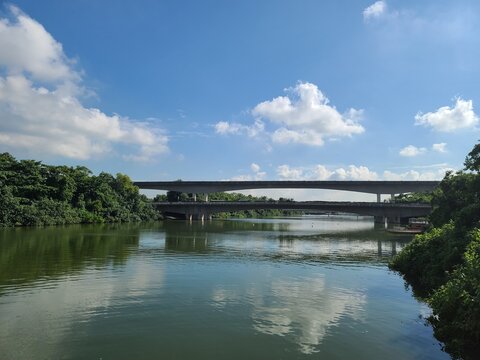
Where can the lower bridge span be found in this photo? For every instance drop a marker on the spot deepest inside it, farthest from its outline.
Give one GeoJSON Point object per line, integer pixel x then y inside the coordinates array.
{"type": "Point", "coordinates": [391, 210]}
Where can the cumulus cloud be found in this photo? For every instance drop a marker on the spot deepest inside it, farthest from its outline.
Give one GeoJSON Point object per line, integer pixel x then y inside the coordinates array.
{"type": "Point", "coordinates": [258, 175]}
{"type": "Point", "coordinates": [416, 175]}
{"type": "Point", "coordinates": [361, 173]}
{"type": "Point", "coordinates": [40, 101]}
{"type": "Point", "coordinates": [441, 147]}
{"type": "Point", "coordinates": [375, 10]}
{"type": "Point", "coordinates": [355, 173]}
{"type": "Point", "coordinates": [287, 173]}
{"type": "Point", "coordinates": [447, 119]}
{"type": "Point", "coordinates": [320, 172]}
{"type": "Point", "coordinates": [225, 128]}
{"type": "Point", "coordinates": [412, 151]}
{"type": "Point", "coordinates": [306, 117]}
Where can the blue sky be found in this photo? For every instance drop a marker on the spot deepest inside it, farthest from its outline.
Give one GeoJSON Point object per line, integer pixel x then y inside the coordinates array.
{"type": "Point", "coordinates": [163, 90]}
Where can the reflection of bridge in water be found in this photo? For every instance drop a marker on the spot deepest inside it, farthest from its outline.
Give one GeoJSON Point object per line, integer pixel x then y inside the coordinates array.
{"type": "Point", "coordinates": [393, 213]}
{"type": "Point", "coordinates": [355, 241]}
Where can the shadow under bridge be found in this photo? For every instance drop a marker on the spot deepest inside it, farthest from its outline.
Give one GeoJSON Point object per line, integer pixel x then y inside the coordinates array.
{"type": "Point", "coordinates": [202, 210]}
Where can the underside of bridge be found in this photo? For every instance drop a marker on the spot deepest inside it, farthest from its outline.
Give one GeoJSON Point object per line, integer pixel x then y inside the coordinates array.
{"type": "Point", "coordinates": [394, 212]}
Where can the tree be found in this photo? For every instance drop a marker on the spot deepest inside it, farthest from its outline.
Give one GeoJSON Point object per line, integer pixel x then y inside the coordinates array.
{"type": "Point", "coordinates": [472, 161]}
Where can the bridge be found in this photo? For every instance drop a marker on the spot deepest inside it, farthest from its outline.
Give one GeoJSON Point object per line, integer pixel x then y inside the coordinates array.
{"type": "Point", "coordinates": [393, 212]}
{"type": "Point", "coordinates": [360, 208]}
{"type": "Point", "coordinates": [371, 187]}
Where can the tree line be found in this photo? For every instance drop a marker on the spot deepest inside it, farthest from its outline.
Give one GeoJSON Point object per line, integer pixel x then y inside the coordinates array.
{"type": "Point", "coordinates": [443, 264]}
{"type": "Point", "coordinates": [33, 193]}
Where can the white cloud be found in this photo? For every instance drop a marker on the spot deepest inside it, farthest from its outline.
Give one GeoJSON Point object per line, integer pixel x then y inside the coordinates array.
{"type": "Point", "coordinates": [306, 137]}
{"type": "Point", "coordinates": [287, 173]}
{"type": "Point", "coordinates": [257, 174]}
{"type": "Point", "coordinates": [411, 151]}
{"type": "Point", "coordinates": [306, 117]}
{"type": "Point", "coordinates": [355, 173]}
{"type": "Point", "coordinates": [441, 147]}
{"type": "Point", "coordinates": [27, 46]}
{"type": "Point", "coordinates": [225, 128]}
{"type": "Point", "coordinates": [447, 119]}
{"type": "Point", "coordinates": [50, 118]}
{"type": "Point", "coordinates": [320, 172]}
{"type": "Point", "coordinates": [375, 10]}
{"type": "Point", "coordinates": [416, 175]}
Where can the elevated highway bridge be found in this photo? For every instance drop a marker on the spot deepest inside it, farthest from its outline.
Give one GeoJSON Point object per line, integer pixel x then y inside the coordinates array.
{"type": "Point", "coordinates": [371, 187]}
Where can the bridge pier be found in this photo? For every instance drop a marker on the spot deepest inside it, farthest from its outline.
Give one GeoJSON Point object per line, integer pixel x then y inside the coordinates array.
{"type": "Point", "coordinates": [379, 222]}
{"type": "Point", "coordinates": [393, 221]}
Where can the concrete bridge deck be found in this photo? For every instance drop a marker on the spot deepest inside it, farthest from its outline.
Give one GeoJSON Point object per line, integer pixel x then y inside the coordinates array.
{"type": "Point", "coordinates": [372, 187]}
{"type": "Point", "coordinates": [389, 210]}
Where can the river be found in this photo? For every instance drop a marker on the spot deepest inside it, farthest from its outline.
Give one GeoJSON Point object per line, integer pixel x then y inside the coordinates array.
{"type": "Point", "coordinates": [311, 287]}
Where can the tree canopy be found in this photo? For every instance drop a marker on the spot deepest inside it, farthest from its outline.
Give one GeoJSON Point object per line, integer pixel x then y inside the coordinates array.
{"type": "Point", "coordinates": [32, 193]}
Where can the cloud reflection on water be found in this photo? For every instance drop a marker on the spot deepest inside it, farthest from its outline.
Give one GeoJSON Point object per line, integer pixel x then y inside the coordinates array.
{"type": "Point", "coordinates": [302, 309]}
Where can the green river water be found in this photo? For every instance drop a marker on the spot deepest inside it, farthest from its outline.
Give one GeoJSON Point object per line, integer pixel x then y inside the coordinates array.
{"type": "Point", "coordinates": [311, 287]}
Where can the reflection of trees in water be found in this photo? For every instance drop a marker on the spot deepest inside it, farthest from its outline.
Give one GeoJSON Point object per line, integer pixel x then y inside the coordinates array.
{"type": "Point", "coordinates": [29, 254]}
{"type": "Point", "coordinates": [221, 226]}
{"type": "Point", "coordinates": [193, 237]}
{"type": "Point", "coordinates": [264, 240]}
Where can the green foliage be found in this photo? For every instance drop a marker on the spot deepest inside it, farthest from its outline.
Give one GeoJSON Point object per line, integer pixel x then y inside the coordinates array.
{"type": "Point", "coordinates": [32, 193]}
{"type": "Point", "coordinates": [414, 198]}
{"type": "Point", "coordinates": [457, 198]}
{"type": "Point", "coordinates": [223, 196]}
{"type": "Point", "coordinates": [430, 257]}
{"type": "Point", "coordinates": [472, 161]}
{"type": "Point", "coordinates": [443, 265]}
{"type": "Point", "coordinates": [456, 305]}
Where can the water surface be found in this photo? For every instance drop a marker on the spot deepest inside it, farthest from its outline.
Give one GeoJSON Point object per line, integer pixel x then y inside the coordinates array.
{"type": "Point", "coordinates": [309, 287]}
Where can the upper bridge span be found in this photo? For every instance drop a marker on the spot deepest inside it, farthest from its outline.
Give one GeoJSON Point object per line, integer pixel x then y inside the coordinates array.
{"type": "Point", "coordinates": [371, 187]}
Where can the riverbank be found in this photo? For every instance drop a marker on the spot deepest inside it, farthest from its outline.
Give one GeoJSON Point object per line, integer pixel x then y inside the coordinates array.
{"type": "Point", "coordinates": [443, 265]}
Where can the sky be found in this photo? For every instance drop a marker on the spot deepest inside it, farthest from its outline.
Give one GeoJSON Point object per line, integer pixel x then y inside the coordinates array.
{"type": "Point", "coordinates": [242, 90]}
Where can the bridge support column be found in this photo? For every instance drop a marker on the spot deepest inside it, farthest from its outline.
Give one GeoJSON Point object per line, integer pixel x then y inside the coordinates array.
{"type": "Point", "coordinates": [379, 222]}
{"type": "Point", "coordinates": [394, 248]}
{"type": "Point", "coordinates": [379, 198]}
{"type": "Point", "coordinates": [393, 221]}
{"type": "Point", "coordinates": [392, 198]}
{"type": "Point", "coordinates": [194, 197]}
{"type": "Point", "coordinates": [206, 197]}
{"type": "Point", "coordinates": [199, 216]}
